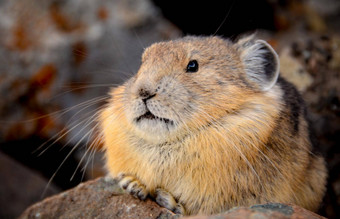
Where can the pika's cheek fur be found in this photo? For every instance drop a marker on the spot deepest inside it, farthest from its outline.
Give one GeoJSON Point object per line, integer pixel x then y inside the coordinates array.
{"type": "Point", "coordinates": [158, 109]}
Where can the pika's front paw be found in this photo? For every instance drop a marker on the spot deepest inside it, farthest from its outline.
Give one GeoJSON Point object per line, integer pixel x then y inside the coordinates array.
{"type": "Point", "coordinates": [165, 199]}
{"type": "Point", "coordinates": [132, 186]}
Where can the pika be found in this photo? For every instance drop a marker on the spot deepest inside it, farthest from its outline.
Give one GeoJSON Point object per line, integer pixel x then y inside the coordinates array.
{"type": "Point", "coordinates": [207, 124]}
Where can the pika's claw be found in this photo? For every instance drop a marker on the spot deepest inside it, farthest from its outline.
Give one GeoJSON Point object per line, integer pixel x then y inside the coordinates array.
{"type": "Point", "coordinates": [132, 186]}
{"type": "Point", "coordinates": [165, 199]}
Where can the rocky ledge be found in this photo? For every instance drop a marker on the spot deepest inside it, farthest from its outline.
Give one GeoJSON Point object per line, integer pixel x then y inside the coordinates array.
{"type": "Point", "coordinates": [102, 198]}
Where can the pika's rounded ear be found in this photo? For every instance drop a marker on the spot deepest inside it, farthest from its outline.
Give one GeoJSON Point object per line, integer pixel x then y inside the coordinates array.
{"type": "Point", "coordinates": [260, 61]}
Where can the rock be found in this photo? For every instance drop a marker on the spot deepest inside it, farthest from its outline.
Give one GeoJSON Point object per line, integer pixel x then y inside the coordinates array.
{"type": "Point", "coordinates": [266, 211]}
{"type": "Point", "coordinates": [100, 198]}
{"type": "Point", "coordinates": [293, 71]}
{"type": "Point", "coordinates": [58, 54]}
{"type": "Point", "coordinates": [20, 187]}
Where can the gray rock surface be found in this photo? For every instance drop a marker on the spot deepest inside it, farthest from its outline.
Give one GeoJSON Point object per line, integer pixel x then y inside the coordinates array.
{"type": "Point", "coordinates": [102, 198]}
{"type": "Point", "coordinates": [266, 211]}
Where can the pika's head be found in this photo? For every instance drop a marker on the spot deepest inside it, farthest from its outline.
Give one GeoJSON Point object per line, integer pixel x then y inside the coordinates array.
{"type": "Point", "coordinates": [187, 84]}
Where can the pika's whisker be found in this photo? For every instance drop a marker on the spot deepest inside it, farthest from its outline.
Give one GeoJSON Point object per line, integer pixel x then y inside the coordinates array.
{"type": "Point", "coordinates": [83, 157]}
{"type": "Point", "coordinates": [82, 87]}
{"type": "Point", "coordinates": [63, 131]}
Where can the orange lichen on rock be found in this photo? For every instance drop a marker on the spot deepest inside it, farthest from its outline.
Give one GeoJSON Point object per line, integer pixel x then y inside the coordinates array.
{"type": "Point", "coordinates": [44, 77]}
{"type": "Point", "coordinates": [79, 51]}
{"type": "Point", "coordinates": [102, 13]}
{"type": "Point", "coordinates": [62, 22]}
{"type": "Point", "coordinates": [20, 40]}
{"type": "Point", "coordinates": [48, 125]}
{"type": "Point", "coordinates": [273, 43]}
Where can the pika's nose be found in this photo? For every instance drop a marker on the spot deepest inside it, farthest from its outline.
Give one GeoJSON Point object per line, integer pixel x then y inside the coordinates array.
{"type": "Point", "coordinates": [145, 94]}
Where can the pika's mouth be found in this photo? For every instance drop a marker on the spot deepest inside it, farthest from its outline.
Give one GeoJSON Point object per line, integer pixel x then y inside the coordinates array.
{"type": "Point", "coordinates": [149, 116]}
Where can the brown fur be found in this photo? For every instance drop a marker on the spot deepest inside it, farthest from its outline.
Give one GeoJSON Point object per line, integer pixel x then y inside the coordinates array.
{"type": "Point", "coordinates": [231, 143]}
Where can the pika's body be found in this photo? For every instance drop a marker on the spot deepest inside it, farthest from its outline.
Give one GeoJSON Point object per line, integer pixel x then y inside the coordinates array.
{"type": "Point", "coordinates": [207, 124]}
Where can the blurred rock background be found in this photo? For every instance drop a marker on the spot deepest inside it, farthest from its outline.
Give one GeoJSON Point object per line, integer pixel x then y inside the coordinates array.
{"type": "Point", "coordinates": [58, 59]}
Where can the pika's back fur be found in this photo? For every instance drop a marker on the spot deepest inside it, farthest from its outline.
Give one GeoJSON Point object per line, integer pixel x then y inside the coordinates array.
{"type": "Point", "coordinates": [206, 125]}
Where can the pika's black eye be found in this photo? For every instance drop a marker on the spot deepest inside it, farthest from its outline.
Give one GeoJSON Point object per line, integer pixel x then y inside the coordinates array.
{"type": "Point", "coordinates": [192, 66]}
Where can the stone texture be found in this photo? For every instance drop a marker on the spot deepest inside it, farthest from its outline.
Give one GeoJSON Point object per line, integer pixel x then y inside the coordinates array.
{"type": "Point", "coordinates": [101, 198]}
{"type": "Point", "coordinates": [266, 211]}
{"type": "Point", "coordinates": [294, 71]}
